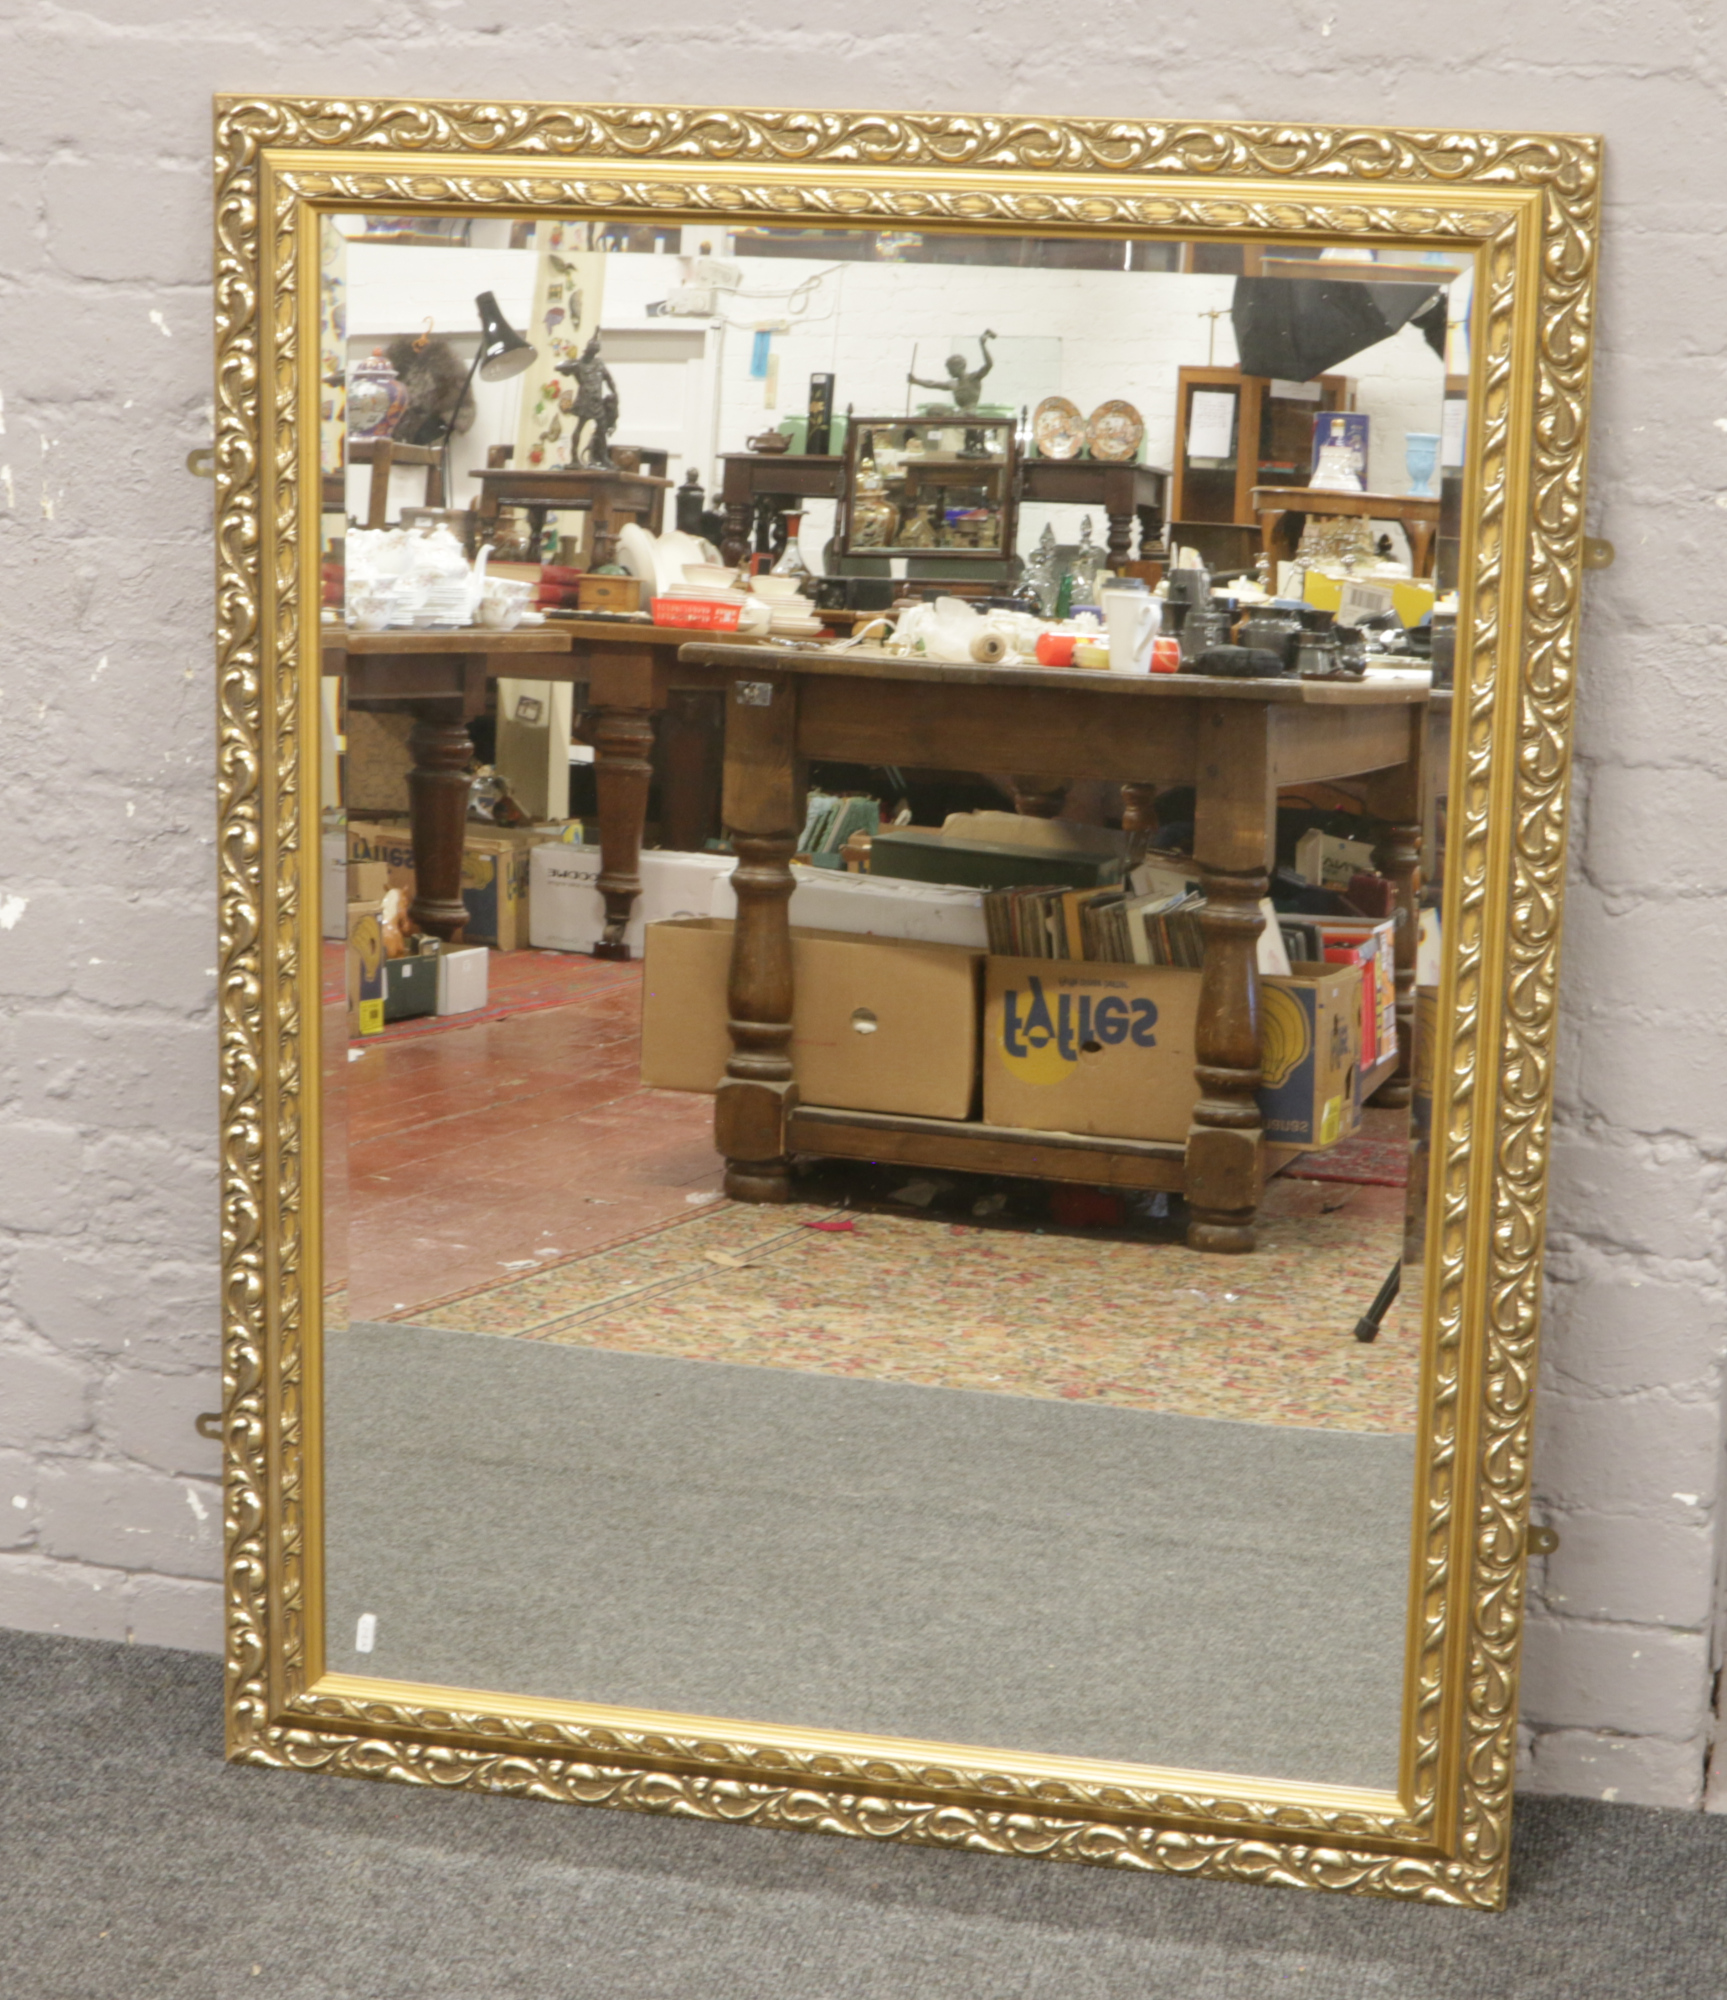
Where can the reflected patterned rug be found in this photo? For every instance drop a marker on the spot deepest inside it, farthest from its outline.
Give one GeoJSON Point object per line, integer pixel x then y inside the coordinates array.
{"type": "Point", "coordinates": [1367, 1161]}
{"type": "Point", "coordinates": [1267, 1338]}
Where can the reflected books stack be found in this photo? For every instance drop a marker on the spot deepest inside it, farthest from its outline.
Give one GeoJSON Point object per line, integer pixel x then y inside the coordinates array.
{"type": "Point", "coordinates": [830, 822]}
{"type": "Point", "coordinates": [1102, 926]}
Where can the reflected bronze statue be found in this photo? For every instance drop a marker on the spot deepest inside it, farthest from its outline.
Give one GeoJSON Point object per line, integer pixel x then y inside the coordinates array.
{"type": "Point", "coordinates": [964, 386]}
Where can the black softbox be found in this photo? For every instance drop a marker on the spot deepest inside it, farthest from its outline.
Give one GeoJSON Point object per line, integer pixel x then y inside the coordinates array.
{"type": "Point", "coordinates": [1297, 328]}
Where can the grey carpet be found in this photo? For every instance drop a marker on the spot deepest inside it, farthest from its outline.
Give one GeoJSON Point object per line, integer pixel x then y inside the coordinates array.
{"type": "Point", "coordinates": [134, 1863]}
{"type": "Point", "coordinates": [816, 1550]}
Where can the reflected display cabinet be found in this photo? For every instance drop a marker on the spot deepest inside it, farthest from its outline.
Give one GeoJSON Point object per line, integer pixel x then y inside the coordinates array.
{"type": "Point", "coordinates": [1213, 490]}
{"type": "Point", "coordinates": [917, 485]}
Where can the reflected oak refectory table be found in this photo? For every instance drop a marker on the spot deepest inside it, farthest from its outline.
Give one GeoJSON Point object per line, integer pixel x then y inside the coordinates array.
{"type": "Point", "coordinates": [627, 672]}
{"type": "Point", "coordinates": [1235, 741]}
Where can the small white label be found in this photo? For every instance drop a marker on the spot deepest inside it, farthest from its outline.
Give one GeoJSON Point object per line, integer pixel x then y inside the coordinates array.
{"type": "Point", "coordinates": [366, 1632]}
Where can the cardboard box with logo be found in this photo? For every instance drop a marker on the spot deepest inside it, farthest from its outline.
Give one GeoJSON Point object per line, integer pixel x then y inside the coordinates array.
{"type": "Point", "coordinates": [494, 875]}
{"type": "Point", "coordinates": [365, 969]}
{"type": "Point", "coordinates": [1310, 1056]}
{"type": "Point", "coordinates": [1106, 1050]}
{"type": "Point", "coordinates": [1109, 1050]}
{"type": "Point", "coordinates": [877, 1025]}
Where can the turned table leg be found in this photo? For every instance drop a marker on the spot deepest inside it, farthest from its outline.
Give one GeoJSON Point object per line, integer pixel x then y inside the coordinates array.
{"type": "Point", "coordinates": [1138, 819]}
{"type": "Point", "coordinates": [603, 527]}
{"type": "Point", "coordinates": [439, 782]}
{"type": "Point", "coordinates": [1039, 798]}
{"type": "Point", "coordinates": [1224, 1166]}
{"type": "Point", "coordinates": [763, 810]}
{"type": "Point", "coordinates": [735, 543]}
{"type": "Point", "coordinates": [1420, 533]}
{"type": "Point", "coordinates": [1120, 541]}
{"type": "Point", "coordinates": [623, 742]}
{"type": "Point", "coordinates": [1232, 836]}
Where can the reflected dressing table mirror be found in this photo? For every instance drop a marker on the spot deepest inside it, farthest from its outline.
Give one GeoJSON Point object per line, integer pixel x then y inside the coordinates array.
{"type": "Point", "coordinates": [894, 1223]}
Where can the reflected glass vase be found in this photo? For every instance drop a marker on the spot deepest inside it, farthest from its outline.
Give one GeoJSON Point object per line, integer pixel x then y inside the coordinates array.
{"type": "Point", "coordinates": [1421, 460]}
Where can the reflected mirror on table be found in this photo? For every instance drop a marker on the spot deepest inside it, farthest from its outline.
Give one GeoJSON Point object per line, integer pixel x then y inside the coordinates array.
{"type": "Point", "coordinates": [959, 1421]}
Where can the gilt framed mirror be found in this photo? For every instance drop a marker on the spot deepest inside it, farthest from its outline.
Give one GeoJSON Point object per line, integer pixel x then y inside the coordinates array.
{"type": "Point", "coordinates": [886, 1087]}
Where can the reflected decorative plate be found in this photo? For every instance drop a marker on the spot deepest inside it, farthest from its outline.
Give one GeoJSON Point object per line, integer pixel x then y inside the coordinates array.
{"type": "Point", "coordinates": [1116, 430]}
{"type": "Point", "coordinates": [1057, 428]}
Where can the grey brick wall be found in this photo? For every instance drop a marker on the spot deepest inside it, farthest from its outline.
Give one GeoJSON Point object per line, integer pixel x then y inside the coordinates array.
{"type": "Point", "coordinates": [108, 1510]}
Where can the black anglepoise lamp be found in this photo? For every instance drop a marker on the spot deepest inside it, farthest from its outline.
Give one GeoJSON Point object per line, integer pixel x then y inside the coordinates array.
{"type": "Point", "coordinates": [502, 354]}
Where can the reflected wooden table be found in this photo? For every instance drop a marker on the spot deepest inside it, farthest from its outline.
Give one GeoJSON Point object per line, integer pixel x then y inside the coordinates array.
{"type": "Point", "coordinates": [1234, 741]}
{"type": "Point", "coordinates": [631, 674]}
{"type": "Point", "coordinates": [442, 679]}
{"type": "Point", "coordinates": [1419, 519]}
{"type": "Point", "coordinates": [611, 496]}
{"type": "Point", "coordinates": [1124, 492]}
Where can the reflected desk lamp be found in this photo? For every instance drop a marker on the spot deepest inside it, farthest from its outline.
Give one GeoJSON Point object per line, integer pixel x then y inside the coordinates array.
{"type": "Point", "coordinates": [502, 353]}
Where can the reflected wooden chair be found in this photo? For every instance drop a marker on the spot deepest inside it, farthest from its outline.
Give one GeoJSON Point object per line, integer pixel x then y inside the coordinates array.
{"type": "Point", "coordinates": [383, 455]}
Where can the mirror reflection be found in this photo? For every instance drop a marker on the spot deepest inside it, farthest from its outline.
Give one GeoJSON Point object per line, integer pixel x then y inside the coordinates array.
{"type": "Point", "coordinates": [883, 823]}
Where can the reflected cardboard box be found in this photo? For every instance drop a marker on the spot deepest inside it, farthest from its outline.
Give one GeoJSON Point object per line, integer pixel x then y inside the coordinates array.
{"type": "Point", "coordinates": [462, 979]}
{"type": "Point", "coordinates": [876, 1026]}
{"type": "Point", "coordinates": [365, 969]}
{"type": "Point", "coordinates": [1109, 1050]}
{"type": "Point", "coordinates": [1371, 946]}
{"type": "Point", "coordinates": [568, 912]}
{"type": "Point", "coordinates": [884, 906]}
{"type": "Point", "coordinates": [410, 987]}
{"type": "Point", "coordinates": [495, 874]}
{"type": "Point", "coordinates": [922, 854]}
{"type": "Point", "coordinates": [332, 883]}
{"type": "Point", "coordinates": [1310, 1056]}
{"type": "Point", "coordinates": [1105, 1050]}
{"type": "Point", "coordinates": [367, 882]}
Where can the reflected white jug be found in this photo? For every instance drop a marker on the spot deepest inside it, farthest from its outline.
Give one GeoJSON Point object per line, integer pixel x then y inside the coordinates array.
{"type": "Point", "coordinates": [1132, 616]}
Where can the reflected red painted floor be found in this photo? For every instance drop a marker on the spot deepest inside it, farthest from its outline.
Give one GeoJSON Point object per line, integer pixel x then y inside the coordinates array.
{"type": "Point", "coordinates": [473, 1152]}
{"type": "Point", "coordinates": [462, 1157]}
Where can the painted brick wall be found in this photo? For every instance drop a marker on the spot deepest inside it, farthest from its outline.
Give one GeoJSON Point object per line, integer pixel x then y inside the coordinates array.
{"type": "Point", "coordinates": [107, 1039]}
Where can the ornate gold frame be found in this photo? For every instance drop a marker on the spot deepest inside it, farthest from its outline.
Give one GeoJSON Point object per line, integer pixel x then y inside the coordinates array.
{"type": "Point", "coordinates": [1526, 207]}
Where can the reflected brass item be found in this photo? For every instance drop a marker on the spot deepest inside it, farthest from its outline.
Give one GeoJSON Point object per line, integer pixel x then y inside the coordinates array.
{"type": "Point", "coordinates": [1598, 554]}
{"type": "Point", "coordinates": [1524, 208]}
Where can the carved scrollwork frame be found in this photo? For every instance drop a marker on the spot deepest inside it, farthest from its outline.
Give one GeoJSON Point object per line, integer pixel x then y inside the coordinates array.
{"type": "Point", "coordinates": [1526, 207]}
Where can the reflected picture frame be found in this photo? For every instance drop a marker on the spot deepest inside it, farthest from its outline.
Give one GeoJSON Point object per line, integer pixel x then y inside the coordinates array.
{"type": "Point", "coordinates": [1525, 209]}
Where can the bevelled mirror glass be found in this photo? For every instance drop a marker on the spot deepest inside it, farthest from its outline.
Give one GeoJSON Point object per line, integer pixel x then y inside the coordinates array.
{"type": "Point", "coordinates": [920, 763]}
